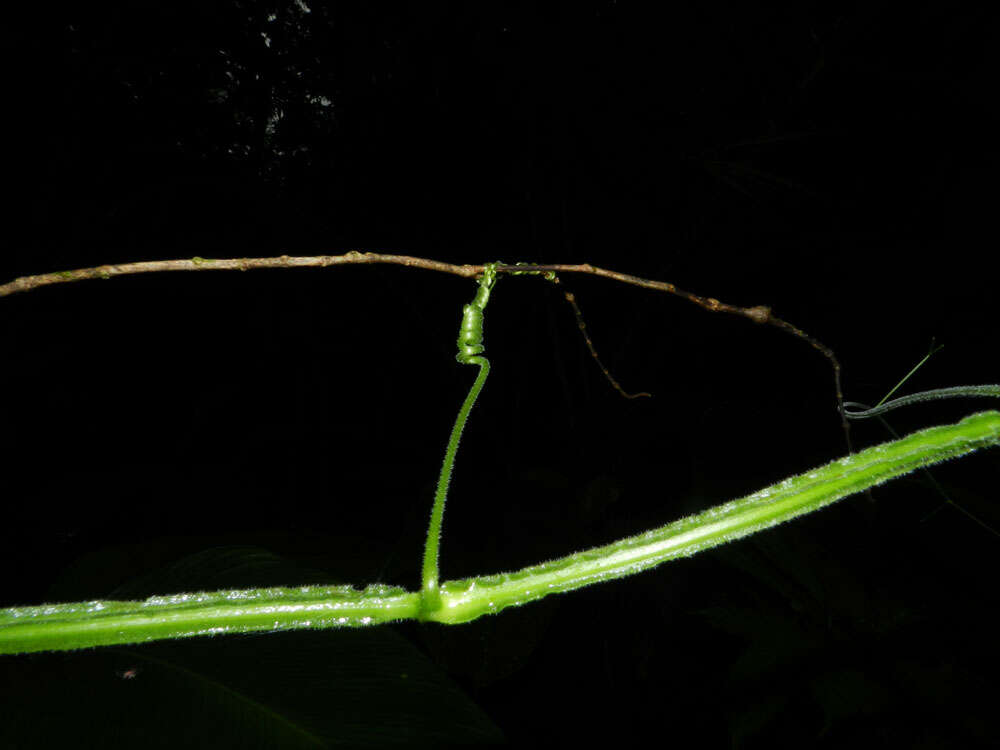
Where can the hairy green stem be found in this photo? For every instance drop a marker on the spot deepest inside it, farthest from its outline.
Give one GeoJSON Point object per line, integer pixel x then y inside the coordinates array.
{"type": "Point", "coordinates": [98, 623]}
{"type": "Point", "coordinates": [61, 627]}
{"type": "Point", "coordinates": [796, 496]}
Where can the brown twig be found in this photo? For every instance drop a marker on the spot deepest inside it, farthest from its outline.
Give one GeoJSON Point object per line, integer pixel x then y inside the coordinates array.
{"type": "Point", "coordinates": [27, 283]}
{"type": "Point", "coordinates": [758, 314]}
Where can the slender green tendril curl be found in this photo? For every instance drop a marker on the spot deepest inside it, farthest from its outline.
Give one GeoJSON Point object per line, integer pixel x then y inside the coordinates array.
{"type": "Point", "coordinates": [851, 408]}
{"type": "Point", "coordinates": [470, 349]}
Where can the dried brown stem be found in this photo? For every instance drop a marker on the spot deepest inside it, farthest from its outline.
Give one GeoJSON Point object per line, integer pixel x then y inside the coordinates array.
{"type": "Point", "coordinates": [758, 314]}
{"type": "Point", "coordinates": [27, 283]}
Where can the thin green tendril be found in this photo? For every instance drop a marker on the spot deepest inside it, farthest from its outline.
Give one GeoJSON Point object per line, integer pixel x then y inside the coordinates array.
{"type": "Point", "coordinates": [470, 347]}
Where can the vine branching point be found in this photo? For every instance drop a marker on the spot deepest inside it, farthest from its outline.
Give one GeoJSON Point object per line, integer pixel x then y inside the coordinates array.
{"type": "Point", "coordinates": [97, 623]}
{"type": "Point", "coordinates": [67, 626]}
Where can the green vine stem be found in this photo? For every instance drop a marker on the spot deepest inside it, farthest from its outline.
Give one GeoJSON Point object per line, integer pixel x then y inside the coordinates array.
{"type": "Point", "coordinates": [57, 627]}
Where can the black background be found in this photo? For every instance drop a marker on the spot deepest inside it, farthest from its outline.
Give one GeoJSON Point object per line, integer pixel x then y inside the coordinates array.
{"type": "Point", "coordinates": [835, 161]}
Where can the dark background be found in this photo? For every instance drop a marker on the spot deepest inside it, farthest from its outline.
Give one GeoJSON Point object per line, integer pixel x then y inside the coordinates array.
{"type": "Point", "coordinates": [836, 161]}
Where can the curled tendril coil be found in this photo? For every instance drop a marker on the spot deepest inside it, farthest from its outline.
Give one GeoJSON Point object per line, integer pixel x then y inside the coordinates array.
{"type": "Point", "coordinates": [470, 334]}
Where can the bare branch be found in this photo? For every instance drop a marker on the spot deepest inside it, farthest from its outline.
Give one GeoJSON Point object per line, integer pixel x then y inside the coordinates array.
{"type": "Point", "coordinates": [758, 314]}
{"type": "Point", "coordinates": [27, 283]}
